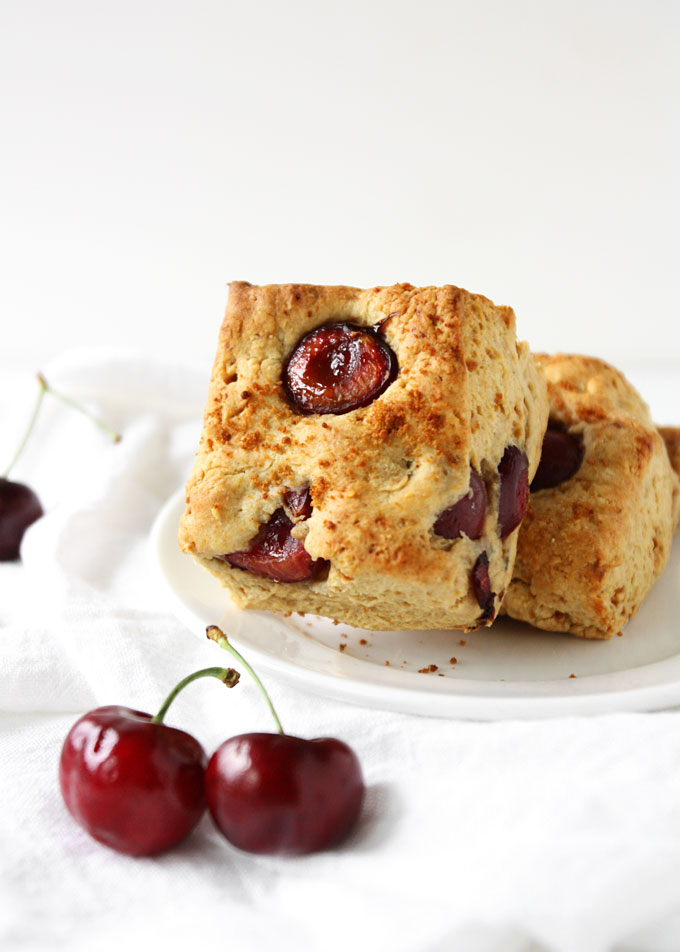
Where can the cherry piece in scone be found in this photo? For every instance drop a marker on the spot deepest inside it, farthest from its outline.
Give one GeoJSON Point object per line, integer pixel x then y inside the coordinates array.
{"type": "Point", "coordinates": [514, 489]}
{"type": "Point", "coordinates": [337, 368]}
{"type": "Point", "coordinates": [275, 793]}
{"type": "Point", "coordinates": [465, 517]}
{"type": "Point", "coordinates": [298, 504]}
{"type": "Point", "coordinates": [276, 554]}
{"type": "Point", "coordinates": [561, 457]}
{"type": "Point", "coordinates": [481, 585]}
{"type": "Point", "coordinates": [281, 794]}
{"type": "Point", "coordinates": [19, 508]}
{"type": "Point", "coordinates": [133, 783]}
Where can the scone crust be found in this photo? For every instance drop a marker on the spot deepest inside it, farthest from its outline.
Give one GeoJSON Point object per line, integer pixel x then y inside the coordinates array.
{"type": "Point", "coordinates": [379, 475]}
{"type": "Point", "coordinates": [590, 549]}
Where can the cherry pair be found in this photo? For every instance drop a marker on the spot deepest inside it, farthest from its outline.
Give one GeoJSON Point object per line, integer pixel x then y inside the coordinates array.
{"type": "Point", "coordinates": [140, 787]}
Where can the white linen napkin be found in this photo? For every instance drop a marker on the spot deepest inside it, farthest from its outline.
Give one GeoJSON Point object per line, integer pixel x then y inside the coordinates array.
{"type": "Point", "coordinates": [559, 835]}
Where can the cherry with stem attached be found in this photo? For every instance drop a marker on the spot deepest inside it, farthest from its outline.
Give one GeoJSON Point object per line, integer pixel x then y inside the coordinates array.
{"type": "Point", "coordinates": [133, 783]}
{"type": "Point", "coordinates": [19, 505]}
{"type": "Point", "coordinates": [280, 794]}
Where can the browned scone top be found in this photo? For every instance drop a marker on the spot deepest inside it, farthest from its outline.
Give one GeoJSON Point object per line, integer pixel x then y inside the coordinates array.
{"type": "Point", "coordinates": [378, 475]}
{"type": "Point", "coordinates": [591, 548]}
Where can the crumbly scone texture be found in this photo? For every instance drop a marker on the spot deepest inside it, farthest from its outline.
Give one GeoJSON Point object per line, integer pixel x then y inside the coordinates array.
{"type": "Point", "coordinates": [380, 475]}
{"type": "Point", "coordinates": [671, 437]}
{"type": "Point", "coordinates": [591, 548]}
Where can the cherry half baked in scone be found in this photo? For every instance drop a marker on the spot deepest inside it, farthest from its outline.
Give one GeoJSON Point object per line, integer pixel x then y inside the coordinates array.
{"type": "Point", "coordinates": [561, 458]}
{"type": "Point", "coordinates": [338, 368]}
{"type": "Point", "coordinates": [274, 552]}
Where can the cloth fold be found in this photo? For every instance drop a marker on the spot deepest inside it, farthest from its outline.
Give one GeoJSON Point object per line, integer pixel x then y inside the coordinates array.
{"type": "Point", "coordinates": [547, 836]}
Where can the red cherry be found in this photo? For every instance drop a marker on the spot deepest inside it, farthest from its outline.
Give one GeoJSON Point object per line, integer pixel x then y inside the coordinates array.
{"type": "Point", "coordinates": [275, 793]}
{"type": "Point", "coordinates": [276, 554]}
{"type": "Point", "coordinates": [481, 585]}
{"type": "Point", "coordinates": [134, 785]}
{"type": "Point", "coordinates": [561, 457]}
{"type": "Point", "coordinates": [514, 489]}
{"type": "Point", "coordinates": [467, 515]}
{"type": "Point", "coordinates": [19, 508]}
{"type": "Point", "coordinates": [298, 504]}
{"type": "Point", "coordinates": [337, 368]}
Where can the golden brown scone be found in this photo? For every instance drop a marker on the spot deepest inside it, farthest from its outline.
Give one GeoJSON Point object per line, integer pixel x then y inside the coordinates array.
{"type": "Point", "coordinates": [671, 437]}
{"type": "Point", "coordinates": [380, 475]}
{"type": "Point", "coordinates": [591, 548]}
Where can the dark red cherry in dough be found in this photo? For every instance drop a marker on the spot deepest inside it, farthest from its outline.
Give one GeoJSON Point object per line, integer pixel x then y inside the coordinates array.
{"type": "Point", "coordinates": [561, 457]}
{"type": "Point", "coordinates": [337, 368]}
{"type": "Point", "coordinates": [513, 470]}
{"type": "Point", "coordinates": [298, 504]}
{"type": "Point", "coordinates": [481, 586]}
{"type": "Point", "coordinates": [276, 554]}
{"type": "Point", "coordinates": [465, 517]}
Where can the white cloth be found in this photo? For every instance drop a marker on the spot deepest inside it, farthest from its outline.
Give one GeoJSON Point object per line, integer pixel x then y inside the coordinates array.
{"type": "Point", "coordinates": [561, 835]}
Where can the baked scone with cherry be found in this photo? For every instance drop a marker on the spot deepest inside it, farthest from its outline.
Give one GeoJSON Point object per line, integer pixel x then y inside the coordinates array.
{"type": "Point", "coordinates": [366, 454]}
{"type": "Point", "coordinates": [603, 505]}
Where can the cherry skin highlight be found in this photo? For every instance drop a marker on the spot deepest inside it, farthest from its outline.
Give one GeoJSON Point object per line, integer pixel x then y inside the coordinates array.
{"type": "Point", "coordinates": [279, 794]}
{"type": "Point", "coordinates": [465, 517]}
{"type": "Point", "coordinates": [337, 368]}
{"type": "Point", "coordinates": [561, 457]}
{"type": "Point", "coordinates": [132, 784]}
{"type": "Point", "coordinates": [19, 508]}
{"type": "Point", "coordinates": [514, 489]}
{"type": "Point", "coordinates": [276, 554]}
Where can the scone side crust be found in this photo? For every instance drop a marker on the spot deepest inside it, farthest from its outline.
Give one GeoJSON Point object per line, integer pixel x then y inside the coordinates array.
{"type": "Point", "coordinates": [590, 549]}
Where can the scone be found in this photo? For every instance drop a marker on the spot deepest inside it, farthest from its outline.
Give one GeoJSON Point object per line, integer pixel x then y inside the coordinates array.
{"type": "Point", "coordinates": [671, 437]}
{"type": "Point", "coordinates": [366, 454]}
{"type": "Point", "coordinates": [603, 505]}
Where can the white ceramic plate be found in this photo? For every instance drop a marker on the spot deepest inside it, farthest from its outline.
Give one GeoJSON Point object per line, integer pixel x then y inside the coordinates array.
{"type": "Point", "coordinates": [508, 671]}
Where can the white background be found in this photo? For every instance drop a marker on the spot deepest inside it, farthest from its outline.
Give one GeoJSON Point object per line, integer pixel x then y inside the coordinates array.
{"type": "Point", "coordinates": [154, 151]}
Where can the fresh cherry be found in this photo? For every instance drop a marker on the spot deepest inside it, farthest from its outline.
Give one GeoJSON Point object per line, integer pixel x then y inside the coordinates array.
{"type": "Point", "coordinates": [274, 793]}
{"type": "Point", "coordinates": [19, 505]}
{"type": "Point", "coordinates": [276, 554]}
{"type": "Point", "coordinates": [465, 517]}
{"type": "Point", "coordinates": [481, 585]}
{"type": "Point", "coordinates": [133, 783]}
{"type": "Point", "coordinates": [514, 489]}
{"type": "Point", "coordinates": [561, 457]}
{"type": "Point", "coordinates": [337, 368]}
{"type": "Point", "coordinates": [19, 508]}
{"type": "Point", "coordinates": [280, 794]}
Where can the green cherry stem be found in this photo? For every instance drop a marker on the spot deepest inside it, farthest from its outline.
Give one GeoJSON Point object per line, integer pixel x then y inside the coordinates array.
{"type": "Point", "coordinates": [226, 675]}
{"type": "Point", "coordinates": [45, 387]}
{"type": "Point", "coordinates": [218, 636]}
{"type": "Point", "coordinates": [113, 435]}
{"type": "Point", "coordinates": [31, 424]}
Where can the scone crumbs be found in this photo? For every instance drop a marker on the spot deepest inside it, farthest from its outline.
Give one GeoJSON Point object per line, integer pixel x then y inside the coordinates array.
{"type": "Point", "coordinates": [453, 660]}
{"type": "Point", "coordinates": [428, 670]}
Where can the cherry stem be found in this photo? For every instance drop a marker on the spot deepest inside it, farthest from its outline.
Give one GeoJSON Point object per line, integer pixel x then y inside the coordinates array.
{"type": "Point", "coordinates": [218, 636]}
{"type": "Point", "coordinates": [226, 675]}
{"type": "Point", "coordinates": [45, 387]}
